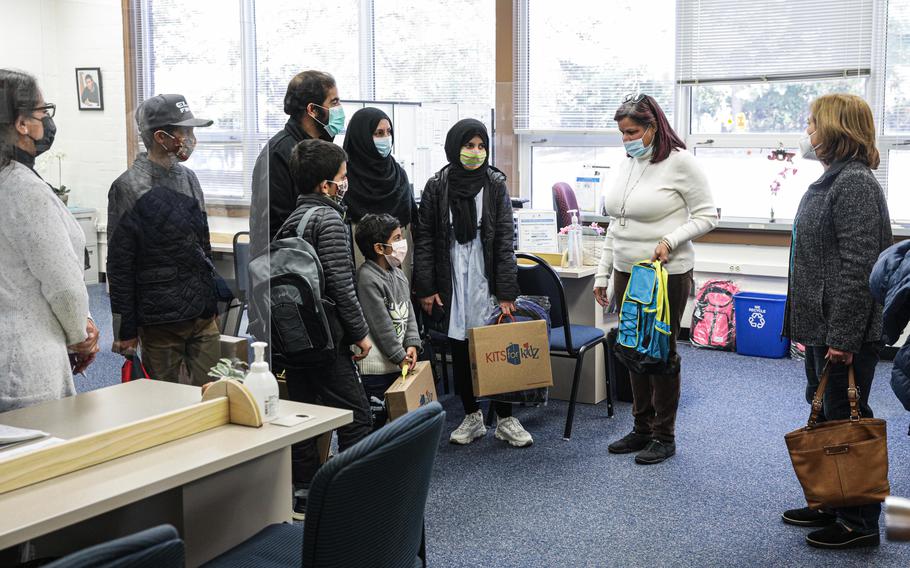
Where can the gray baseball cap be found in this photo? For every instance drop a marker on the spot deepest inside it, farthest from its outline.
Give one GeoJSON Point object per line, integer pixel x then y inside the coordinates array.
{"type": "Point", "coordinates": [167, 110]}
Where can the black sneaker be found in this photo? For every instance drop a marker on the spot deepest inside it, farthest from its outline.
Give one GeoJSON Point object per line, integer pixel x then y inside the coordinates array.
{"type": "Point", "coordinates": [299, 512]}
{"type": "Point", "coordinates": [631, 442]}
{"type": "Point", "coordinates": [656, 452]}
{"type": "Point", "coordinates": [837, 535]}
{"type": "Point", "coordinates": [807, 517]}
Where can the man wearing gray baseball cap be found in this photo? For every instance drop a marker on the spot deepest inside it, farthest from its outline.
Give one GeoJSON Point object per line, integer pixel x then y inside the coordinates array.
{"type": "Point", "coordinates": [163, 290]}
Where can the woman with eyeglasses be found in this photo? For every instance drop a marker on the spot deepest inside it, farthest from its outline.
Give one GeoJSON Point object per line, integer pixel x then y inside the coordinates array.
{"type": "Point", "coordinates": [376, 182]}
{"type": "Point", "coordinates": [464, 264]}
{"type": "Point", "coordinates": [44, 325]}
{"type": "Point", "coordinates": [660, 201]}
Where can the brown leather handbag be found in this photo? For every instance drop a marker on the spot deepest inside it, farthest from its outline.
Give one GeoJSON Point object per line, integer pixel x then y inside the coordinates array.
{"type": "Point", "coordinates": [841, 463]}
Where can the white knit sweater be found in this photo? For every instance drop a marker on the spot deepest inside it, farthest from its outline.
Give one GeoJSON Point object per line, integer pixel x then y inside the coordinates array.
{"type": "Point", "coordinates": [667, 200]}
{"type": "Point", "coordinates": [43, 300]}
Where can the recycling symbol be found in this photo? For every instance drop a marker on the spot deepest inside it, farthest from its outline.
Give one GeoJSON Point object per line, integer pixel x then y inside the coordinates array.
{"type": "Point", "coordinates": [757, 320]}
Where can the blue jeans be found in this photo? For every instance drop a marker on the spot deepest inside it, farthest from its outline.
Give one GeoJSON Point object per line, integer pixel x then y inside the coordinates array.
{"type": "Point", "coordinates": [837, 407]}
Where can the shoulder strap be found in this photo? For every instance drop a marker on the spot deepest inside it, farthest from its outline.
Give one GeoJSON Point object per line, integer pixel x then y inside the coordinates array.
{"type": "Point", "coordinates": [301, 227]}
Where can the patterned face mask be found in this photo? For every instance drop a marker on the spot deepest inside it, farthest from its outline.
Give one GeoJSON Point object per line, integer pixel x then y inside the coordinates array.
{"type": "Point", "coordinates": [472, 159]}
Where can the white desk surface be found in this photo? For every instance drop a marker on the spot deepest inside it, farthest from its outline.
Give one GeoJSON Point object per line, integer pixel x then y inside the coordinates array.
{"type": "Point", "coordinates": [583, 272]}
{"type": "Point", "coordinates": [60, 502]}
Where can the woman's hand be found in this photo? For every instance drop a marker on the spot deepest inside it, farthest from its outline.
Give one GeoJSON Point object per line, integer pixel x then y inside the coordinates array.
{"type": "Point", "coordinates": [507, 308]}
{"type": "Point", "coordinates": [600, 294]}
{"type": "Point", "coordinates": [90, 345]}
{"type": "Point", "coordinates": [839, 357]}
{"type": "Point", "coordinates": [430, 301]}
{"type": "Point", "coordinates": [661, 253]}
{"type": "Point", "coordinates": [82, 361]}
{"type": "Point", "coordinates": [410, 359]}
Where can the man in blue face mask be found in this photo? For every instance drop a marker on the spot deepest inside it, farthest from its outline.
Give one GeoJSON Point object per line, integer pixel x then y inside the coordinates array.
{"type": "Point", "coordinates": [314, 109]}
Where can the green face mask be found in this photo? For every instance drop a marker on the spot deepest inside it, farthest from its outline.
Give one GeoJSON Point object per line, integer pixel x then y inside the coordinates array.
{"type": "Point", "coordinates": [472, 159]}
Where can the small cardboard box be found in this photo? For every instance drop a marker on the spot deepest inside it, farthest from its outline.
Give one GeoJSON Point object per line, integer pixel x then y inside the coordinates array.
{"type": "Point", "coordinates": [510, 357]}
{"type": "Point", "coordinates": [235, 348]}
{"type": "Point", "coordinates": [411, 392]}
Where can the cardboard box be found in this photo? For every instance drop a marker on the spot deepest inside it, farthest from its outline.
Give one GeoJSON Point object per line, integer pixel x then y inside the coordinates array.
{"type": "Point", "coordinates": [411, 392]}
{"type": "Point", "coordinates": [510, 357]}
{"type": "Point", "coordinates": [235, 348]}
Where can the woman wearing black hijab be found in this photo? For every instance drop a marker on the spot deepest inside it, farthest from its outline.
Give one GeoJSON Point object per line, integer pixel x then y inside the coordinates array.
{"type": "Point", "coordinates": [464, 263]}
{"type": "Point", "coordinates": [376, 182]}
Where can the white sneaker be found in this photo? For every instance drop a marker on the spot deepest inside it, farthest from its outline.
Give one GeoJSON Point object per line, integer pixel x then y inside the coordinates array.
{"type": "Point", "coordinates": [510, 430]}
{"type": "Point", "coordinates": [471, 428]}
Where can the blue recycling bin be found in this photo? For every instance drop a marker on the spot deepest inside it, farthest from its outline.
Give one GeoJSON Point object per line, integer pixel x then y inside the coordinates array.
{"type": "Point", "coordinates": [759, 321]}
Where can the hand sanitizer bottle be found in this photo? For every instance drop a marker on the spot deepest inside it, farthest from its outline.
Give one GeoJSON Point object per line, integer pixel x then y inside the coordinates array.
{"type": "Point", "coordinates": [262, 384]}
{"type": "Point", "coordinates": [574, 241]}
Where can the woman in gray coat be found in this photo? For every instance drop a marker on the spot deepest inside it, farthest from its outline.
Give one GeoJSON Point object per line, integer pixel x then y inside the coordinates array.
{"type": "Point", "coordinates": [841, 226]}
{"type": "Point", "coordinates": [45, 332]}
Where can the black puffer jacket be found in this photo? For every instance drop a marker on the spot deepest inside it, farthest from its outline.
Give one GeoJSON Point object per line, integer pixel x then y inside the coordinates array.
{"type": "Point", "coordinates": [329, 235]}
{"type": "Point", "coordinates": [159, 254]}
{"type": "Point", "coordinates": [432, 243]}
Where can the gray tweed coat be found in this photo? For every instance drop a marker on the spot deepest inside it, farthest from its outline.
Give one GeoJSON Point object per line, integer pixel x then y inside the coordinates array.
{"type": "Point", "coordinates": [841, 226]}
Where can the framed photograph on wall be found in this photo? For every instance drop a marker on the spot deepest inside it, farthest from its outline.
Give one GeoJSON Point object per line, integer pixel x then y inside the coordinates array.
{"type": "Point", "coordinates": [89, 91]}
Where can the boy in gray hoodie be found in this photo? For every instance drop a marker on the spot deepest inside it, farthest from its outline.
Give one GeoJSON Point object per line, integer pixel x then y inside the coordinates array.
{"type": "Point", "coordinates": [385, 297]}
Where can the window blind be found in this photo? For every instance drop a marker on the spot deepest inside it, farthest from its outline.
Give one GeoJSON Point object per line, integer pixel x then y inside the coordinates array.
{"type": "Point", "coordinates": [574, 64]}
{"type": "Point", "coordinates": [719, 41]}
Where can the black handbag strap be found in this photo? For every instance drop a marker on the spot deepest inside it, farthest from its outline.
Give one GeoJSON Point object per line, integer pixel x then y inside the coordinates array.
{"type": "Point", "coordinates": [852, 395]}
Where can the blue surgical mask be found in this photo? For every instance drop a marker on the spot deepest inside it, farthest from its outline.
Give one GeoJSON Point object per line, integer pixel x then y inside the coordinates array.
{"type": "Point", "coordinates": [637, 148]}
{"type": "Point", "coordinates": [335, 125]}
{"type": "Point", "coordinates": [383, 145]}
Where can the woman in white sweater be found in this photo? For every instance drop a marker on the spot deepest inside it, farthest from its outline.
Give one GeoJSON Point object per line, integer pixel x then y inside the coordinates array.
{"type": "Point", "coordinates": [43, 300]}
{"type": "Point", "coordinates": [659, 202]}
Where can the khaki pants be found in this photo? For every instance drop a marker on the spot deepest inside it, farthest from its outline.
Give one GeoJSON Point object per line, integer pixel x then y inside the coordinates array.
{"type": "Point", "coordinates": [655, 398]}
{"type": "Point", "coordinates": [194, 343]}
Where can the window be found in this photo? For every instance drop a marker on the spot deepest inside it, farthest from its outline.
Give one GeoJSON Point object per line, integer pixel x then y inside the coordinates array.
{"type": "Point", "coordinates": [578, 61]}
{"type": "Point", "coordinates": [762, 107]}
{"type": "Point", "coordinates": [233, 59]}
{"type": "Point", "coordinates": [897, 69]}
{"type": "Point", "coordinates": [554, 164]}
{"type": "Point", "coordinates": [899, 180]}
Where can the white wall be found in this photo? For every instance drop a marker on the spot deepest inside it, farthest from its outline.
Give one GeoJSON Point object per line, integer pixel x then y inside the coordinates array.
{"type": "Point", "coordinates": [49, 39]}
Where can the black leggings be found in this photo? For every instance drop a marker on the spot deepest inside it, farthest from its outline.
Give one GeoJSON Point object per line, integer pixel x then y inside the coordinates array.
{"type": "Point", "coordinates": [461, 366]}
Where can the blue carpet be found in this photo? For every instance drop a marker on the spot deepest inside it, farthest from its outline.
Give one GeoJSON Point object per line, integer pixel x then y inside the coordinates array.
{"type": "Point", "coordinates": [558, 503]}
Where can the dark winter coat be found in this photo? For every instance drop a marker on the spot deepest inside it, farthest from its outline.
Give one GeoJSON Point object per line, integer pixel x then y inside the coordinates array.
{"type": "Point", "coordinates": [433, 239]}
{"type": "Point", "coordinates": [329, 234]}
{"type": "Point", "coordinates": [159, 254]}
{"type": "Point", "coordinates": [890, 286]}
{"type": "Point", "coordinates": [841, 226]}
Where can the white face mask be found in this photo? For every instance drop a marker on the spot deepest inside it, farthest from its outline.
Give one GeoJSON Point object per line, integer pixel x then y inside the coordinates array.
{"type": "Point", "coordinates": [399, 252]}
{"type": "Point", "coordinates": [806, 149]}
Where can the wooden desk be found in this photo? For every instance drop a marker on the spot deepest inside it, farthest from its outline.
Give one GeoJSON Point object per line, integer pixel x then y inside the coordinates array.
{"type": "Point", "coordinates": [218, 487]}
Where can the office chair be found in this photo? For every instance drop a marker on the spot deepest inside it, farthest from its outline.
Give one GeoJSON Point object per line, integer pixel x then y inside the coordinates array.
{"type": "Point", "coordinates": [563, 202]}
{"type": "Point", "coordinates": [157, 547]}
{"type": "Point", "coordinates": [233, 316]}
{"type": "Point", "coordinates": [566, 339]}
{"type": "Point", "coordinates": [365, 506]}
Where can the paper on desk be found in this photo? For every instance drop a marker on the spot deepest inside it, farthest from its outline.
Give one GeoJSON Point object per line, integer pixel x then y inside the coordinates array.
{"type": "Point", "coordinates": [19, 449]}
{"type": "Point", "coordinates": [10, 434]}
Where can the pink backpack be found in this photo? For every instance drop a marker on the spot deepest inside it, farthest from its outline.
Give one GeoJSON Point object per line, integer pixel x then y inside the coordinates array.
{"type": "Point", "coordinates": [713, 321]}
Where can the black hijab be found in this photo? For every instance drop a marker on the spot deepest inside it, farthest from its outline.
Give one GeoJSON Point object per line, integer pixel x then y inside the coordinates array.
{"type": "Point", "coordinates": [375, 184]}
{"type": "Point", "coordinates": [464, 185]}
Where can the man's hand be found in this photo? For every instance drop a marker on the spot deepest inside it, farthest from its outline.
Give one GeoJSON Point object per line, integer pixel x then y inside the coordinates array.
{"type": "Point", "coordinates": [365, 345]}
{"type": "Point", "coordinates": [126, 347]}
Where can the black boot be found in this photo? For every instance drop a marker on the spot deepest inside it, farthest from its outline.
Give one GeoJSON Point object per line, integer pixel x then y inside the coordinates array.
{"type": "Point", "coordinates": [656, 452]}
{"type": "Point", "coordinates": [631, 442]}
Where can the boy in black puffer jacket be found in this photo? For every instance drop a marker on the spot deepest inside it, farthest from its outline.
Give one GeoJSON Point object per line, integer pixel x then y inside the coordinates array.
{"type": "Point", "coordinates": [319, 170]}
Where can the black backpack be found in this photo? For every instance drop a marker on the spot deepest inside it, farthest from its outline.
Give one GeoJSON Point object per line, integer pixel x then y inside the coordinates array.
{"type": "Point", "coordinates": [288, 283]}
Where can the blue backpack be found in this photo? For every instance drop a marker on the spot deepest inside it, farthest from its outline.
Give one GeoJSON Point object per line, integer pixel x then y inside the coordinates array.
{"type": "Point", "coordinates": [643, 340]}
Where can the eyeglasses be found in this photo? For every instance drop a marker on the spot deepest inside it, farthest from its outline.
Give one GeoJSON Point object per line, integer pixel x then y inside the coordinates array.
{"type": "Point", "coordinates": [634, 99]}
{"type": "Point", "coordinates": [50, 109]}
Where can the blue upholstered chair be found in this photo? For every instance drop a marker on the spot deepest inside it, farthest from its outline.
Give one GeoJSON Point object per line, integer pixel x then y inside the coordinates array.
{"type": "Point", "coordinates": [566, 339]}
{"type": "Point", "coordinates": [157, 547]}
{"type": "Point", "coordinates": [365, 506]}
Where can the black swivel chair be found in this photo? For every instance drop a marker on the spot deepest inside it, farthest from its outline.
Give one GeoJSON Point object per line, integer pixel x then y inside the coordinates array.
{"type": "Point", "coordinates": [566, 339]}
{"type": "Point", "coordinates": [365, 506]}
{"type": "Point", "coordinates": [157, 547]}
{"type": "Point", "coordinates": [233, 317]}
